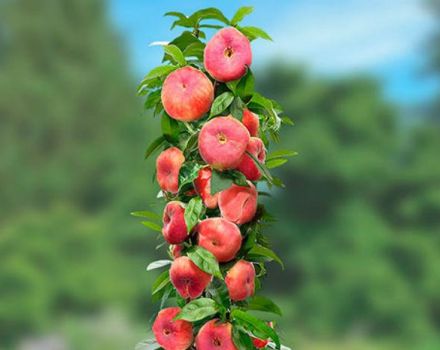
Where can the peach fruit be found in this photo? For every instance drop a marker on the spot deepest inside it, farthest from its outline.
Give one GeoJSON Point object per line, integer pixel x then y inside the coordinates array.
{"type": "Point", "coordinates": [240, 280]}
{"type": "Point", "coordinates": [172, 334]}
{"type": "Point", "coordinates": [227, 55]}
{"type": "Point", "coordinates": [174, 227]}
{"type": "Point", "coordinates": [221, 237]}
{"type": "Point", "coordinates": [168, 166]}
{"type": "Point", "coordinates": [238, 203]}
{"type": "Point", "coordinates": [222, 142]}
{"type": "Point", "coordinates": [247, 165]}
{"type": "Point", "coordinates": [187, 278]}
{"type": "Point", "coordinates": [251, 122]}
{"type": "Point", "coordinates": [175, 251]}
{"type": "Point", "coordinates": [187, 94]}
{"type": "Point", "coordinates": [203, 187]}
{"type": "Point", "coordinates": [215, 335]}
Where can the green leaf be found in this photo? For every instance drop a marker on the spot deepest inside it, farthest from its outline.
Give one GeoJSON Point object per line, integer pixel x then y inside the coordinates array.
{"type": "Point", "coordinates": [188, 173]}
{"type": "Point", "coordinates": [182, 20]}
{"type": "Point", "coordinates": [273, 346]}
{"type": "Point", "coordinates": [209, 13]}
{"type": "Point", "coordinates": [274, 163]}
{"type": "Point", "coordinates": [149, 344]}
{"type": "Point", "coordinates": [243, 87]}
{"type": "Point", "coordinates": [241, 13]}
{"type": "Point", "coordinates": [161, 282]}
{"type": "Point", "coordinates": [192, 212]}
{"type": "Point", "coordinates": [261, 303]}
{"type": "Point", "coordinates": [154, 146]}
{"type": "Point", "coordinates": [205, 260]}
{"type": "Point", "coordinates": [262, 167]}
{"type": "Point", "coordinates": [175, 54]}
{"type": "Point", "coordinates": [195, 50]}
{"type": "Point", "coordinates": [190, 144]}
{"type": "Point", "coordinates": [153, 99]}
{"type": "Point", "coordinates": [238, 178]}
{"type": "Point", "coordinates": [241, 339]}
{"type": "Point", "coordinates": [253, 33]}
{"type": "Point", "coordinates": [159, 72]}
{"type": "Point", "coordinates": [185, 39]}
{"type": "Point", "coordinates": [146, 214]}
{"type": "Point", "coordinates": [256, 326]}
{"type": "Point", "coordinates": [219, 182]}
{"type": "Point", "coordinates": [286, 120]}
{"type": "Point", "coordinates": [158, 264]}
{"type": "Point", "coordinates": [221, 102]}
{"type": "Point", "coordinates": [281, 154]}
{"type": "Point", "coordinates": [170, 128]}
{"type": "Point", "coordinates": [198, 309]}
{"type": "Point", "coordinates": [151, 225]}
{"type": "Point", "coordinates": [265, 252]}
{"type": "Point", "coordinates": [237, 107]}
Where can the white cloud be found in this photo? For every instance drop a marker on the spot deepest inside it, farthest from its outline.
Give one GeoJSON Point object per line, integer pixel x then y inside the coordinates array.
{"type": "Point", "coordinates": [350, 35]}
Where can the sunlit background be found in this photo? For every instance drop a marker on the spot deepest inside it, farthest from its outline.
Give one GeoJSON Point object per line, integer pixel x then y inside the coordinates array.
{"type": "Point", "coordinates": [359, 221]}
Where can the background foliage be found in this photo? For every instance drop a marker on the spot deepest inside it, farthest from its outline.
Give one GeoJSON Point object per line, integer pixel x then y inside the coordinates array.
{"type": "Point", "coordinates": [358, 224]}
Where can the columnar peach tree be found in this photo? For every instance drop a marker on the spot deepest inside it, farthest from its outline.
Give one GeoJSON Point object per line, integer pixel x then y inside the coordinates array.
{"type": "Point", "coordinates": [213, 166]}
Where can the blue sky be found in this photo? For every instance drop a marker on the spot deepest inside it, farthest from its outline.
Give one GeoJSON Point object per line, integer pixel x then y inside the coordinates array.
{"type": "Point", "coordinates": [386, 38]}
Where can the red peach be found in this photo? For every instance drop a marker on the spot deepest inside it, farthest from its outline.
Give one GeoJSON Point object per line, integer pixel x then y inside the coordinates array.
{"type": "Point", "coordinates": [247, 165]}
{"type": "Point", "coordinates": [175, 251]}
{"type": "Point", "coordinates": [187, 94]}
{"type": "Point", "coordinates": [174, 227]}
{"type": "Point", "coordinates": [215, 335]}
{"type": "Point", "coordinates": [227, 55]}
{"type": "Point", "coordinates": [221, 237]}
{"type": "Point", "coordinates": [222, 142]}
{"type": "Point", "coordinates": [172, 334]}
{"type": "Point", "coordinates": [261, 343]}
{"type": "Point", "coordinates": [240, 280]}
{"type": "Point", "coordinates": [168, 166]}
{"type": "Point", "coordinates": [203, 188]}
{"type": "Point", "coordinates": [187, 278]}
{"type": "Point", "coordinates": [238, 203]}
{"type": "Point", "coordinates": [251, 122]}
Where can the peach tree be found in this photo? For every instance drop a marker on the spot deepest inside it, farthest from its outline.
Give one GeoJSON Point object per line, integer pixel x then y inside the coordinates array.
{"type": "Point", "coordinates": [214, 164]}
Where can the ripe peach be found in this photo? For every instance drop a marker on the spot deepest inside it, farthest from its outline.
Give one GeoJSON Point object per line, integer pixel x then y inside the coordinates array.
{"type": "Point", "coordinates": [187, 94]}
{"type": "Point", "coordinates": [174, 227]}
{"type": "Point", "coordinates": [203, 188]}
{"type": "Point", "coordinates": [221, 237]}
{"type": "Point", "coordinates": [261, 343]}
{"type": "Point", "coordinates": [222, 142]}
{"type": "Point", "coordinates": [187, 278]}
{"type": "Point", "coordinates": [238, 203]}
{"type": "Point", "coordinates": [172, 334]}
{"type": "Point", "coordinates": [168, 166]}
{"type": "Point", "coordinates": [251, 122]}
{"type": "Point", "coordinates": [227, 55]}
{"type": "Point", "coordinates": [240, 280]}
{"type": "Point", "coordinates": [215, 335]}
{"type": "Point", "coordinates": [247, 165]}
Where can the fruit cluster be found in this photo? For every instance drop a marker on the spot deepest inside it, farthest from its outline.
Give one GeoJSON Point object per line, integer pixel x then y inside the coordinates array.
{"type": "Point", "coordinates": [216, 131]}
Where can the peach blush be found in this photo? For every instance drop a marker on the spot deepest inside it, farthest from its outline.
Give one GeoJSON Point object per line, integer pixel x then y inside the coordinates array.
{"type": "Point", "coordinates": [203, 187]}
{"type": "Point", "coordinates": [251, 122]}
{"type": "Point", "coordinates": [174, 227]}
{"type": "Point", "coordinates": [240, 280]}
{"type": "Point", "coordinates": [247, 165]}
{"type": "Point", "coordinates": [168, 165]}
{"type": "Point", "coordinates": [215, 335]}
{"type": "Point", "coordinates": [219, 236]}
{"type": "Point", "coordinates": [172, 334]}
{"type": "Point", "coordinates": [187, 94]}
{"type": "Point", "coordinates": [227, 55]}
{"type": "Point", "coordinates": [187, 278]}
{"type": "Point", "coordinates": [238, 203]}
{"type": "Point", "coordinates": [222, 142]}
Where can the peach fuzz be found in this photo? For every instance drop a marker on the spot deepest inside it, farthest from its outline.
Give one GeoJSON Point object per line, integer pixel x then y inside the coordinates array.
{"type": "Point", "coordinates": [238, 204]}
{"type": "Point", "coordinates": [187, 278]}
{"type": "Point", "coordinates": [240, 280]}
{"type": "Point", "coordinates": [168, 165]}
{"type": "Point", "coordinates": [172, 334]}
{"type": "Point", "coordinates": [251, 121]}
{"type": "Point", "coordinates": [247, 165]}
{"type": "Point", "coordinates": [227, 55]}
{"type": "Point", "coordinates": [203, 187]}
{"type": "Point", "coordinates": [215, 335]}
{"type": "Point", "coordinates": [174, 227]}
{"type": "Point", "coordinates": [222, 142]}
{"type": "Point", "coordinates": [221, 237]}
{"type": "Point", "coordinates": [187, 94]}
